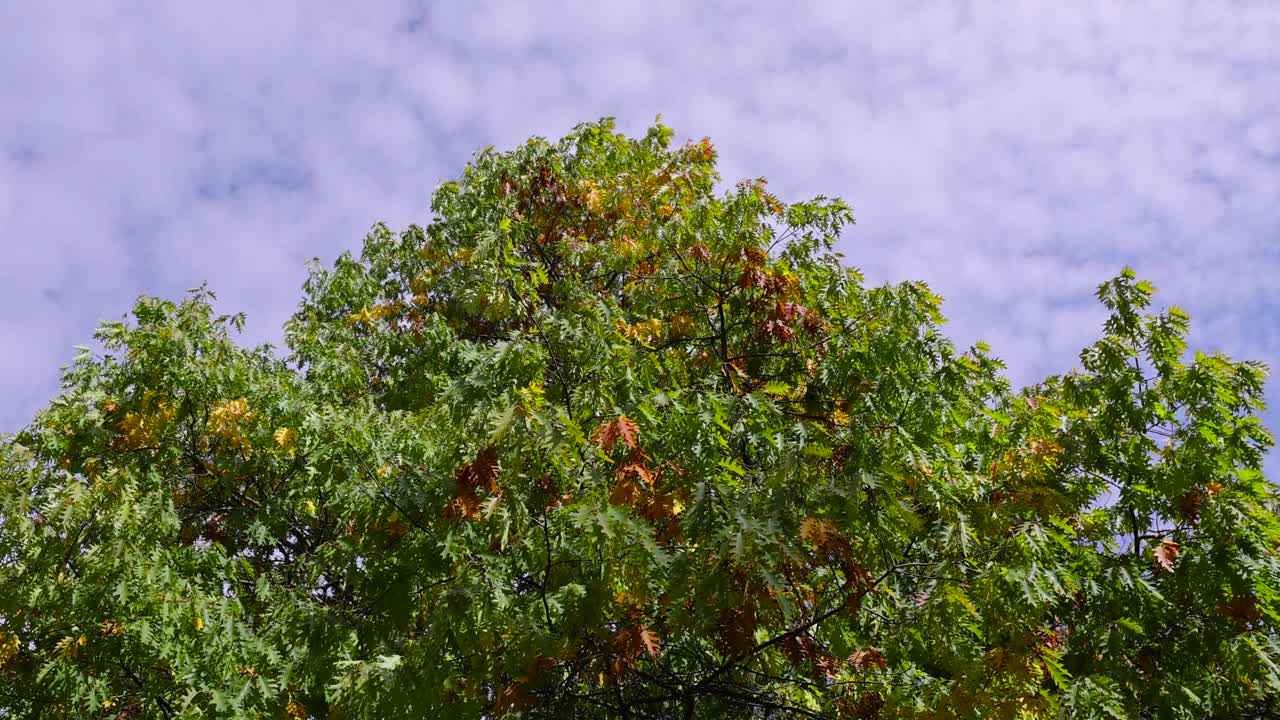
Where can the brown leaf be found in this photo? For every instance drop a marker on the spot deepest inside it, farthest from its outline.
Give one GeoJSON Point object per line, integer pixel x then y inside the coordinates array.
{"type": "Point", "coordinates": [796, 648]}
{"type": "Point", "coordinates": [752, 277]}
{"type": "Point", "coordinates": [658, 507]}
{"type": "Point", "coordinates": [737, 630]}
{"type": "Point", "coordinates": [480, 472]}
{"type": "Point", "coordinates": [626, 491]}
{"type": "Point", "coordinates": [628, 644]}
{"type": "Point", "coordinates": [463, 507]}
{"type": "Point", "coordinates": [1243, 608]}
{"type": "Point", "coordinates": [817, 531]}
{"type": "Point", "coordinates": [700, 252]}
{"type": "Point", "coordinates": [649, 641]}
{"type": "Point", "coordinates": [634, 466]}
{"type": "Point", "coordinates": [608, 434]}
{"type": "Point", "coordinates": [1190, 502]}
{"type": "Point", "coordinates": [1166, 553]}
{"type": "Point", "coordinates": [868, 657]}
{"type": "Point", "coordinates": [514, 697]}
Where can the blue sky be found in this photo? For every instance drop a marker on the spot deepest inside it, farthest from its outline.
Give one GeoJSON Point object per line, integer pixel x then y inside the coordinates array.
{"type": "Point", "coordinates": [1012, 154]}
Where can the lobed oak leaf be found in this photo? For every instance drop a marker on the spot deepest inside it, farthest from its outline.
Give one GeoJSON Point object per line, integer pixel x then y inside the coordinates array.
{"type": "Point", "coordinates": [737, 630]}
{"type": "Point", "coordinates": [480, 472]}
{"type": "Point", "coordinates": [463, 507]}
{"type": "Point", "coordinates": [826, 665]}
{"type": "Point", "coordinates": [626, 491]}
{"type": "Point", "coordinates": [514, 697]}
{"type": "Point", "coordinates": [868, 657]}
{"type": "Point", "coordinates": [633, 465]}
{"type": "Point", "coordinates": [649, 641]}
{"type": "Point", "coordinates": [609, 433]}
{"type": "Point", "coordinates": [1243, 608]}
{"type": "Point", "coordinates": [1166, 553]}
{"type": "Point", "coordinates": [752, 277]}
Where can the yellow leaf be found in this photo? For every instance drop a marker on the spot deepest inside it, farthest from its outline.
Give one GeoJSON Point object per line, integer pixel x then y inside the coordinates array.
{"type": "Point", "coordinates": [287, 439]}
{"type": "Point", "coordinates": [199, 623]}
{"type": "Point", "coordinates": [9, 647]}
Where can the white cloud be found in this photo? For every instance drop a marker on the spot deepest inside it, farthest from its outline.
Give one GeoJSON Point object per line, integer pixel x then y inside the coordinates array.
{"type": "Point", "coordinates": [1013, 154]}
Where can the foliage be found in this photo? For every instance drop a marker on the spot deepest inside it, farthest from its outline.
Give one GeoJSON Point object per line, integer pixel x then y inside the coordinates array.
{"type": "Point", "coordinates": [603, 441]}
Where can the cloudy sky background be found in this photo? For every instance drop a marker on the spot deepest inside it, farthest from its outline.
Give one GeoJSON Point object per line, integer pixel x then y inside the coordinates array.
{"type": "Point", "coordinates": [1014, 155]}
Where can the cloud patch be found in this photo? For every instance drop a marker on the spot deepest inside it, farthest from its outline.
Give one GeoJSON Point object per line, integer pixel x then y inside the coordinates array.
{"type": "Point", "coordinates": [1012, 154]}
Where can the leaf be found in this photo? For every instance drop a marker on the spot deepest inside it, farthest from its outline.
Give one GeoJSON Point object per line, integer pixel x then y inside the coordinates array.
{"type": "Point", "coordinates": [480, 472]}
{"type": "Point", "coordinates": [608, 434]}
{"type": "Point", "coordinates": [634, 466]}
{"type": "Point", "coordinates": [1165, 554]}
{"type": "Point", "coordinates": [626, 491]}
{"type": "Point", "coordinates": [867, 658]}
{"type": "Point", "coordinates": [649, 641]}
{"type": "Point", "coordinates": [732, 466]}
{"type": "Point", "coordinates": [777, 387]}
{"type": "Point", "coordinates": [737, 629]}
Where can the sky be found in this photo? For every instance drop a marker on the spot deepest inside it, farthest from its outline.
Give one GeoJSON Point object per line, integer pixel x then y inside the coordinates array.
{"type": "Point", "coordinates": [1011, 154]}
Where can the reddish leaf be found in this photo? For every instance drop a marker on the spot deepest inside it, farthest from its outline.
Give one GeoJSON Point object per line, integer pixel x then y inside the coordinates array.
{"type": "Point", "coordinates": [1190, 503]}
{"type": "Point", "coordinates": [628, 644]}
{"type": "Point", "coordinates": [737, 630]}
{"type": "Point", "coordinates": [481, 472]}
{"type": "Point", "coordinates": [608, 434]}
{"type": "Point", "coordinates": [463, 507]}
{"type": "Point", "coordinates": [1166, 553]}
{"type": "Point", "coordinates": [826, 666]}
{"type": "Point", "coordinates": [752, 277]}
{"type": "Point", "coordinates": [1243, 608]}
{"type": "Point", "coordinates": [626, 491]}
{"type": "Point", "coordinates": [649, 641]}
{"type": "Point", "coordinates": [868, 657]}
{"type": "Point", "coordinates": [514, 697]}
{"type": "Point", "coordinates": [700, 252]}
{"type": "Point", "coordinates": [633, 466]}
{"type": "Point", "coordinates": [796, 648]}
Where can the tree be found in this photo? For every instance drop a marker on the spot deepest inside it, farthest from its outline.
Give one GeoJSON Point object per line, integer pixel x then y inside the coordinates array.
{"type": "Point", "coordinates": [600, 441]}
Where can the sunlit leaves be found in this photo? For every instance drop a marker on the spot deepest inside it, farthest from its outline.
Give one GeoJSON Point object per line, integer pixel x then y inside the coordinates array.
{"type": "Point", "coordinates": [601, 441]}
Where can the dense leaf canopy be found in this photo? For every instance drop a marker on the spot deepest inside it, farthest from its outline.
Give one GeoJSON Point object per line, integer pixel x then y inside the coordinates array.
{"type": "Point", "coordinates": [604, 441]}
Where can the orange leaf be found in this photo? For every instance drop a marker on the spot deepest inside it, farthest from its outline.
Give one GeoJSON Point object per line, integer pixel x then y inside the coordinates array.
{"type": "Point", "coordinates": [821, 533]}
{"type": "Point", "coordinates": [481, 472]}
{"type": "Point", "coordinates": [1166, 553]}
{"type": "Point", "coordinates": [463, 507]}
{"type": "Point", "coordinates": [608, 434]}
{"type": "Point", "coordinates": [1242, 608]}
{"type": "Point", "coordinates": [625, 492]}
{"type": "Point", "coordinates": [737, 630]}
{"type": "Point", "coordinates": [868, 657]}
{"type": "Point", "coordinates": [649, 641]}
{"type": "Point", "coordinates": [514, 697]}
{"type": "Point", "coordinates": [634, 466]}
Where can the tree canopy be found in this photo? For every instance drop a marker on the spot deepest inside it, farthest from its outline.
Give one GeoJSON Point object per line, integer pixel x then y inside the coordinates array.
{"type": "Point", "coordinates": [604, 440]}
